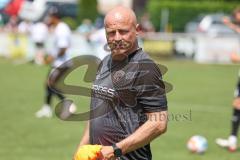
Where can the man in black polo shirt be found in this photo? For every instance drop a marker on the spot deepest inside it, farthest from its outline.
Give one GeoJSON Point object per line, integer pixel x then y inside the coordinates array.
{"type": "Point", "coordinates": [129, 92]}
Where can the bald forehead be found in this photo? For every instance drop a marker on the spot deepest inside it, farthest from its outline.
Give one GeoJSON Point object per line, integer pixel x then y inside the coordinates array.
{"type": "Point", "coordinates": [120, 14]}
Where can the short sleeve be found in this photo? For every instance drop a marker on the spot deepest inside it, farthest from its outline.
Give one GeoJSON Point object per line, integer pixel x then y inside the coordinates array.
{"type": "Point", "coordinates": [150, 87]}
{"type": "Point", "coordinates": [63, 40]}
{"type": "Point", "coordinates": [63, 37]}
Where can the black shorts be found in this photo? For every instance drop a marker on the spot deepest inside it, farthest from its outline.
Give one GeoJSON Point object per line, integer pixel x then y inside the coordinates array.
{"type": "Point", "coordinates": [55, 74]}
{"type": "Point", "coordinates": [39, 45]}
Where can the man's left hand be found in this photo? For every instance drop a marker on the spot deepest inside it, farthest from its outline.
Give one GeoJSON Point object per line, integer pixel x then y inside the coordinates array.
{"type": "Point", "coordinates": [107, 153]}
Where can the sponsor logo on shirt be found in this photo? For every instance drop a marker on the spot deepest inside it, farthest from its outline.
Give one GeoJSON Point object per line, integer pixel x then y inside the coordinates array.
{"type": "Point", "coordinates": [103, 90]}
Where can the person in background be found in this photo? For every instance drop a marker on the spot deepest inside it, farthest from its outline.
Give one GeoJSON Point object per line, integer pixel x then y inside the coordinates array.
{"type": "Point", "coordinates": [24, 27]}
{"type": "Point", "coordinates": [38, 34]}
{"type": "Point", "coordinates": [59, 61]}
{"type": "Point", "coordinates": [86, 27]}
{"type": "Point", "coordinates": [12, 25]}
{"type": "Point", "coordinates": [231, 141]}
{"type": "Point", "coordinates": [146, 24]}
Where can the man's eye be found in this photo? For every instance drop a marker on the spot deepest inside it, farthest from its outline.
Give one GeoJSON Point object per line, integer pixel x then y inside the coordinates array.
{"type": "Point", "coordinates": [111, 33]}
{"type": "Point", "coordinates": [123, 31]}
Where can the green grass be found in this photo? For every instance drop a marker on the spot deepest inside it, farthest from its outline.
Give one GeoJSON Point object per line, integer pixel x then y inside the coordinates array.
{"type": "Point", "coordinates": [205, 90]}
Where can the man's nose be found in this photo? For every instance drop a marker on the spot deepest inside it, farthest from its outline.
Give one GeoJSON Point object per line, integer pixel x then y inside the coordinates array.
{"type": "Point", "coordinates": [118, 36]}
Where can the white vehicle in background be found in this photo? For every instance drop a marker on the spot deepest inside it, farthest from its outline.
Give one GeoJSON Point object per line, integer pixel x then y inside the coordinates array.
{"type": "Point", "coordinates": [210, 24]}
{"type": "Point", "coordinates": [34, 10]}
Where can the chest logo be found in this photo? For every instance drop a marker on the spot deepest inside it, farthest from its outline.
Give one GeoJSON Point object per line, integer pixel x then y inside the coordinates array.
{"type": "Point", "coordinates": [118, 75]}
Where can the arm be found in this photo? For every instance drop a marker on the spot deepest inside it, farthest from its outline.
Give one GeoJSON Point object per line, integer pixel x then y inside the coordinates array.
{"type": "Point", "coordinates": [231, 25]}
{"type": "Point", "coordinates": [234, 57]}
{"type": "Point", "coordinates": [151, 129]}
{"type": "Point", "coordinates": [151, 97]}
{"type": "Point", "coordinates": [85, 137]}
{"type": "Point", "coordinates": [49, 59]}
{"type": "Point", "coordinates": [61, 52]}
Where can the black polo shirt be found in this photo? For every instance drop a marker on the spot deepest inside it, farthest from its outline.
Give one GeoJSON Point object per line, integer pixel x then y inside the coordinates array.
{"type": "Point", "coordinates": [122, 94]}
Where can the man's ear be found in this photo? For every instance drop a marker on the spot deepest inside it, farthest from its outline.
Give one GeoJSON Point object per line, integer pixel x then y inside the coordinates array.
{"type": "Point", "coordinates": [138, 29]}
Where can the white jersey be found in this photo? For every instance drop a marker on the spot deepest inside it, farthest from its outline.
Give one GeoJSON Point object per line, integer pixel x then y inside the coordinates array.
{"type": "Point", "coordinates": [39, 32]}
{"type": "Point", "coordinates": [61, 39]}
{"type": "Point", "coordinates": [24, 27]}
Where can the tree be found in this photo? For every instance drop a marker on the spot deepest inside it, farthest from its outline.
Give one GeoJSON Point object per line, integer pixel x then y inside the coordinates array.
{"type": "Point", "coordinates": [87, 9]}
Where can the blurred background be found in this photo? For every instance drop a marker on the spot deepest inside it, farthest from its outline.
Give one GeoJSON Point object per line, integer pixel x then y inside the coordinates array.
{"type": "Point", "coordinates": [187, 36]}
{"type": "Point", "coordinates": [187, 29]}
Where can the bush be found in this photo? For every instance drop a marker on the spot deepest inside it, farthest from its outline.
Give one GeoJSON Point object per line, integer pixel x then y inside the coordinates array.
{"type": "Point", "coordinates": [182, 12]}
{"type": "Point", "coordinates": [87, 9]}
{"type": "Point", "coordinates": [71, 22]}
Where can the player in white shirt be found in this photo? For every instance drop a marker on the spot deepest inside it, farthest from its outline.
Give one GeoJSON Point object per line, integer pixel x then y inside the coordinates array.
{"type": "Point", "coordinates": [58, 58]}
{"type": "Point", "coordinates": [39, 32]}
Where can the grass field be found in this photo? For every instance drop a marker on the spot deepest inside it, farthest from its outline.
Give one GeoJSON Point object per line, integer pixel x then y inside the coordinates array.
{"type": "Point", "coordinates": [205, 91]}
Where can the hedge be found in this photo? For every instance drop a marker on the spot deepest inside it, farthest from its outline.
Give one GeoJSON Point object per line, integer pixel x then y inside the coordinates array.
{"type": "Point", "coordinates": [181, 12]}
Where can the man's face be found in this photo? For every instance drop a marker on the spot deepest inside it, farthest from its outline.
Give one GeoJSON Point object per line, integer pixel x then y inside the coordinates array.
{"type": "Point", "coordinates": [51, 20]}
{"type": "Point", "coordinates": [121, 36]}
